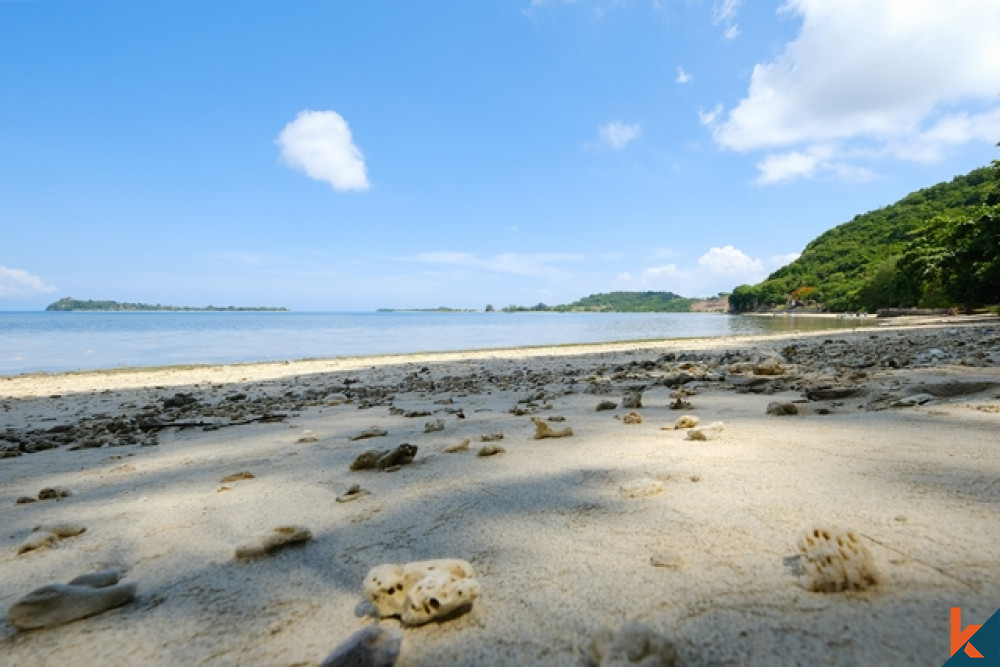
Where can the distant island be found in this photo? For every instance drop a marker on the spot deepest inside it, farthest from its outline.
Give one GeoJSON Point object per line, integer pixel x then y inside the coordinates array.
{"type": "Point", "coordinates": [439, 309]}
{"type": "Point", "coordinates": [70, 303]}
{"type": "Point", "coordinates": [605, 302]}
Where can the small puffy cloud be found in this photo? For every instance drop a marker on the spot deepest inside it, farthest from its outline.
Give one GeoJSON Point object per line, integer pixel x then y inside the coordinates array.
{"type": "Point", "coordinates": [920, 77]}
{"type": "Point", "coordinates": [320, 144]}
{"type": "Point", "coordinates": [619, 135]}
{"type": "Point", "coordinates": [682, 76]}
{"type": "Point", "coordinates": [18, 282]}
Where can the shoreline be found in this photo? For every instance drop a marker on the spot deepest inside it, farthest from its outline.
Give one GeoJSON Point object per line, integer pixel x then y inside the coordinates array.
{"type": "Point", "coordinates": [888, 431]}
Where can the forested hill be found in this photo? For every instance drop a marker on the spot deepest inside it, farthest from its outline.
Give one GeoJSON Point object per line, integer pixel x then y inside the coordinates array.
{"type": "Point", "coordinates": [618, 302]}
{"type": "Point", "coordinates": [906, 254]}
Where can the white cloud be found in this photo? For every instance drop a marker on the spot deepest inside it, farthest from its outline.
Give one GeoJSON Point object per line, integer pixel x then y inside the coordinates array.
{"type": "Point", "coordinates": [720, 269]}
{"type": "Point", "coordinates": [320, 144]}
{"type": "Point", "coordinates": [619, 135]}
{"type": "Point", "coordinates": [682, 76]}
{"type": "Point", "coordinates": [724, 12]}
{"type": "Point", "coordinates": [902, 90]}
{"type": "Point", "coordinates": [18, 282]}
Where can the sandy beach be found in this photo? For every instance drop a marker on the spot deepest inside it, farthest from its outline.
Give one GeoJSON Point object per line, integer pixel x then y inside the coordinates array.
{"type": "Point", "coordinates": [889, 432]}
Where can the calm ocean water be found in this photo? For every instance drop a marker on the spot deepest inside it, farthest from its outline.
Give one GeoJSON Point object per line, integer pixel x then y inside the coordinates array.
{"type": "Point", "coordinates": [56, 341]}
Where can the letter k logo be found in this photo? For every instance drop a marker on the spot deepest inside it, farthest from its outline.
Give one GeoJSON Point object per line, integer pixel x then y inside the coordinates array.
{"type": "Point", "coordinates": [961, 637]}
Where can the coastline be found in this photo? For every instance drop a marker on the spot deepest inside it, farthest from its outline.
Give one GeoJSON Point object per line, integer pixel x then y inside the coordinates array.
{"type": "Point", "coordinates": [708, 559]}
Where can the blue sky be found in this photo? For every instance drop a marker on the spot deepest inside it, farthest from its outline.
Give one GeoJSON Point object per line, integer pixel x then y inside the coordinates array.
{"type": "Point", "coordinates": [335, 155]}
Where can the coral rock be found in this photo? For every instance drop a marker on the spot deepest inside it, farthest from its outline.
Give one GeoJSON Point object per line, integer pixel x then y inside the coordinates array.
{"type": "Point", "coordinates": [50, 492]}
{"type": "Point", "coordinates": [710, 432]}
{"type": "Point", "coordinates": [492, 437]}
{"type": "Point", "coordinates": [374, 646]}
{"type": "Point", "coordinates": [687, 421]}
{"type": "Point", "coordinates": [61, 603]}
{"type": "Point", "coordinates": [267, 542]}
{"type": "Point", "coordinates": [421, 591]}
{"type": "Point", "coordinates": [680, 404]}
{"type": "Point", "coordinates": [606, 405]}
{"type": "Point", "coordinates": [373, 432]}
{"type": "Point", "coordinates": [834, 559]}
{"type": "Point", "coordinates": [400, 456]}
{"type": "Point", "coordinates": [632, 418]}
{"type": "Point", "coordinates": [353, 493]}
{"type": "Point", "coordinates": [436, 425]}
{"type": "Point", "coordinates": [491, 450]}
{"type": "Point", "coordinates": [543, 430]}
{"type": "Point", "coordinates": [636, 644]}
{"type": "Point", "coordinates": [237, 476]}
{"type": "Point", "coordinates": [632, 400]}
{"type": "Point", "coordinates": [460, 447]}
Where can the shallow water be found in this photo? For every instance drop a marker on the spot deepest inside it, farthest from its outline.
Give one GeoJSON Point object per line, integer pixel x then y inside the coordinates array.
{"type": "Point", "coordinates": [61, 341]}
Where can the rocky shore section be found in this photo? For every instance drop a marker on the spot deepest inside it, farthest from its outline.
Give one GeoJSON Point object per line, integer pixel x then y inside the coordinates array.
{"type": "Point", "coordinates": [659, 486]}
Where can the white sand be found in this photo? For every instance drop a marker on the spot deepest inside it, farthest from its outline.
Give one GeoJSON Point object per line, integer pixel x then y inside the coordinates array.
{"type": "Point", "coordinates": [559, 550]}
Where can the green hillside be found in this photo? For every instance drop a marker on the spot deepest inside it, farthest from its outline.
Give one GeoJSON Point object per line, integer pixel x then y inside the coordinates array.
{"type": "Point", "coordinates": [907, 254]}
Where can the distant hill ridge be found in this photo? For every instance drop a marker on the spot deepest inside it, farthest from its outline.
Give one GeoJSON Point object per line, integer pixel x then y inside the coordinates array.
{"type": "Point", "coordinates": [70, 303]}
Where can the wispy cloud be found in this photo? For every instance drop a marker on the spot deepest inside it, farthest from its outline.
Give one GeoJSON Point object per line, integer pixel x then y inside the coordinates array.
{"type": "Point", "coordinates": [18, 282]}
{"type": "Point", "coordinates": [921, 80]}
{"type": "Point", "coordinates": [320, 144]}
{"type": "Point", "coordinates": [617, 136]}
{"type": "Point", "coordinates": [682, 76]}
{"type": "Point", "coordinates": [533, 264]}
{"type": "Point", "coordinates": [724, 12]}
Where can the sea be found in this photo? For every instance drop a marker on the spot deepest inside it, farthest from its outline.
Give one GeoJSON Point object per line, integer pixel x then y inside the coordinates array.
{"type": "Point", "coordinates": [32, 342]}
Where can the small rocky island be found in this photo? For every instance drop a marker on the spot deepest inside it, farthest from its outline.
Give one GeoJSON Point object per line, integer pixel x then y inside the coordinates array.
{"type": "Point", "coordinates": [70, 303]}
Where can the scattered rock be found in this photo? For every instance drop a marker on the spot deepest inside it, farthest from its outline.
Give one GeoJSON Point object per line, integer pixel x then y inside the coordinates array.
{"type": "Point", "coordinates": [57, 604]}
{"type": "Point", "coordinates": [421, 591]}
{"type": "Point", "coordinates": [23, 500]}
{"type": "Point", "coordinates": [632, 418]}
{"type": "Point", "coordinates": [687, 421]}
{"type": "Point", "coordinates": [771, 366]}
{"type": "Point", "coordinates": [42, 537]}
{"type": "Point", "coordinates": [711, 432]}
{"type": "Point", "coordinates": [436, 425]}
{"type": "Point", "coordinates": [50, 492]}
{"type": "Point", "coordinates": [401, 455]}
{"type": "Point", "coordinates": [367, 459]}
{"type": "Point", "coordinates": [642, 487]}
{"type": "Point", "coordinates": [352, 493]}
{"type": "Point", "coordinates": [460, 447]}
{"type": "Point", "coordinates": [237, 476]}
{"type": "Point", "coordinates": [543, 430]}
{"type": "Point", "coordinates": [782, 408]}
{"type": "Point", "coordinates": [632, 400]}
{"type": "Point", "coordinates": [306, 439]}
{"type": "Point", "coordinates": [493, 437]}
{"type": "Point", "coordinates": [180, 401]}
{"type": "Point", "coordinates": [373, 432]}
{"type": "Point", "coordinates": [374, 646]}
{"type": "Point", "coordinates": [491, 450]}
{"type": "Point", "coordinates": [914, 400]}
{"type": "Point", "coordinates": [265, 543]}
{"type": "Point", "coordinates": [417, 413]}
{"type": "Point", "coordinates": [833, 559]}
{"type": "Point", "coordinates": [556, 418]}
{"type": "Point", "coordinates": [606, 405]}
{"type": "Point", "coordinates": [680, 404]}
{"type": "Point", "coordinates": [636, 644]}
{"type": "Point", "coordinates": [830, 392]}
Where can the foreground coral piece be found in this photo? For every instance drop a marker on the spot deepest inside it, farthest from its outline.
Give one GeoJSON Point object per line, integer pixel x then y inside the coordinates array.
{"type": "Point", "coordinates": [543, 430]}
{"type": "Point", "coordinates": [421, 591]}
{"type": "Point", "coordinates": [267, 542]}
{"type": "Point", "coordinates": [61, 603]}
{"type": "Point", "coordinates": [687, 421]}
{"type": "Point", "coordinates": [460, 447]}
{"type": "Point", "coordinates": [635, 644]}
{"type": "Point", "coordinates": [834, 559]}
{"type": "Point", "coordinates": [374, 646]}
